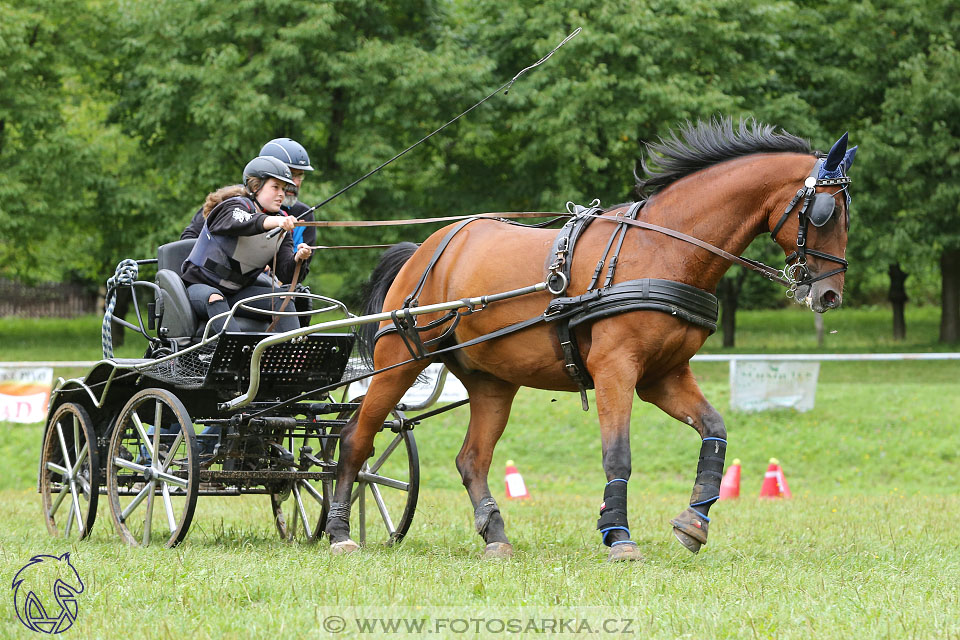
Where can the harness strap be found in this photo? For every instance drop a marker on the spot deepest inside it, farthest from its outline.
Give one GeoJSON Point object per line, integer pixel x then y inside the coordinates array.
{"type": "Point", "coordinates": [411, 300]}
{"type": "Point", "coordinates": [766, 271]}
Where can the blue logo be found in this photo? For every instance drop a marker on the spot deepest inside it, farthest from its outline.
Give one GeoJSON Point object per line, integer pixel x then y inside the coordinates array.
{"type": "Point", "coordinates": [45, 593]}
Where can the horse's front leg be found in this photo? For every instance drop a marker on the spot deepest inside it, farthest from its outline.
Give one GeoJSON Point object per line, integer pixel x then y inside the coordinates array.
{"type": "Point", "coordinates": [678, 395]}
{"type": "Point", "coordinates": [614, 385]}
{"type": "Point", "coordinates": [356, 441]}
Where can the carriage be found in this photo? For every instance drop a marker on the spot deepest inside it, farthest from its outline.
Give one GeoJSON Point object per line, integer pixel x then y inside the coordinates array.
{"type": "Point", "coordinates": [206, 414]}
{"type": "Point", "coordinates": [267, 429]}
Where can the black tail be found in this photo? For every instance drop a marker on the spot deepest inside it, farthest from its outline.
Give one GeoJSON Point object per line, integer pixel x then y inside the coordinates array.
{"type": "Point", "coordinates": [373, 293]}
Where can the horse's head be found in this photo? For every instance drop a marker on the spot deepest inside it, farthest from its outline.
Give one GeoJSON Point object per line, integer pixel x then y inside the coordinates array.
{"type": "Point", "coordinates": [815, 239]}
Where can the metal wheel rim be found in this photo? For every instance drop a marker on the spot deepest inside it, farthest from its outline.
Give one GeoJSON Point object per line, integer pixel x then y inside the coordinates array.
{"type": "Point", "coordinates": [69, 476]}
{"type": "Point", "coordinates": [173, 477]}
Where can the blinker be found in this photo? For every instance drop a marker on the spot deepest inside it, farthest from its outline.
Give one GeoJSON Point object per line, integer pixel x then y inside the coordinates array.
{"type": "Point", "coordinates": [821, 209]}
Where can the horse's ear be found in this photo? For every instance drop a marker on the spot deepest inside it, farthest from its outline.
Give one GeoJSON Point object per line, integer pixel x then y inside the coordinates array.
{"type": "Point", "coordinates": [848, 159]}
{"type": "Point", "coordinates": [836, 154]}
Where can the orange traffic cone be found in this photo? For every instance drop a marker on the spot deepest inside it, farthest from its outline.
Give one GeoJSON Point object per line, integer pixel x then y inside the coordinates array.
{"type": "Point", "coordinates": [774, 482]}
{"type": "Point", "coordinates": [515, 485]}
{"type": "Point", "coordinates": [730, 485]}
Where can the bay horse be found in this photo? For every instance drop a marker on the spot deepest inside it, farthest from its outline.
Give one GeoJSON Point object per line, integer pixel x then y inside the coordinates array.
{"type": "Point", "coordinates": [722, 185]}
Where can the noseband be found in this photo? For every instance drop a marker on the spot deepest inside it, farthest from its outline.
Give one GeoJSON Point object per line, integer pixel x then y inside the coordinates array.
{"type": "Point", "coordinates": [817, 209]}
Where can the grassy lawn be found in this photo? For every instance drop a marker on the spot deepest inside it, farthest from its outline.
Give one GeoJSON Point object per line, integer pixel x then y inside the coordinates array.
{"type": "Point", "coordinates": [866, 548]}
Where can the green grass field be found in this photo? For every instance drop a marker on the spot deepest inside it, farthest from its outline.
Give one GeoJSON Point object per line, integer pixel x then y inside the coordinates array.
{"type": "Point", "coordinates": [865, 549]}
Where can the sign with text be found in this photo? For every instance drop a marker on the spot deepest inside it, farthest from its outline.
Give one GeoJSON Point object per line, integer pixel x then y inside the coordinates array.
{"type": "Point", "coordinates": [25, 394]}
{"type": "Point", "coordinates": [759, 385]}
{"type": "Point", "coordinates": [423, 388]}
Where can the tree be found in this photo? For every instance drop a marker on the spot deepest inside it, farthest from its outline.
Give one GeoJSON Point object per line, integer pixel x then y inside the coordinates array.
{"type": "Point", "coordinates": [202, 85]}
{"type": "Point", "coordinates": [52, 165]}
{"type": "Point", "coordinates": [918, 143]}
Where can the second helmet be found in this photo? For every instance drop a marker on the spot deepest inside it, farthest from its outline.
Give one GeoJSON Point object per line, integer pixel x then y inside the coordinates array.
{"type": "Point", "coordinates": [289, 151]}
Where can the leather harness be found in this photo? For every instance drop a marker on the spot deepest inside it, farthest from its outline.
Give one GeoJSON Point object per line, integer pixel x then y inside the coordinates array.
{"type": "Point", "coordinates": [568, 312]}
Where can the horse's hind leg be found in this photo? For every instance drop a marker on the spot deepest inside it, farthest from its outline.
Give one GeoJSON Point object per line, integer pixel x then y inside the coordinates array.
{"type": "Point", "coordinates": [356, 441]}
{"type": "Point", "coordinates": [490, 402]}
{"type": "Point", "coordinates": [678, 395]}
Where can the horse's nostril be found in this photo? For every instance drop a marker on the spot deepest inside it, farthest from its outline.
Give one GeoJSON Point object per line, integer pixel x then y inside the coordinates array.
{"type": "Point", "coordinates": [831, 300]}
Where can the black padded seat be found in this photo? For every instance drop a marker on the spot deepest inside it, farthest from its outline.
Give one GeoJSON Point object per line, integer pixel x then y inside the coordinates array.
{"type": "Point", "coordinates": [177, 319]}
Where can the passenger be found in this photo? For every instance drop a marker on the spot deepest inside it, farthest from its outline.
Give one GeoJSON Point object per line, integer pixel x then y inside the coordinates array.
{"type": "Point", "coordinates": [292, 154]}
{"type": "Point", "coordinates": [233, 248]}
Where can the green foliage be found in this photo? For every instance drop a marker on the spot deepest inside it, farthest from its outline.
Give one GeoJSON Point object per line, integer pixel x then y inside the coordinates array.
{"type": "Point", "coordinates": [117, 117]}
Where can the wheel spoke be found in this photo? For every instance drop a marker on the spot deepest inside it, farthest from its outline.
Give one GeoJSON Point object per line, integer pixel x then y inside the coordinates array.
{"type": "Point", "coordinates": [303, 513]}
{"type": "Point", "coordinates": [66, 530]}
{"type": "Point", "coordinates": [81, 456]}
{"type": "Point", "coordinates": [313, 491]}
{"type": "Point", "coordinates": [126, 464]}
{"type": "Point", "coordinates": [76, 506]}
{"type": "Point", "coordinates": [148, 520]}
{"type": "Point", "coordinates": [58, 469]}
{"type": "Point", "coordinates": [84, 486]}
{"type": "Point", "coordinates": [373, 478]}
{"type": "Point", "coordinates": [76, 439]}
{"type": "Point", "coordinates": [136, 501]}
{"type": "Point", "coordinates": [375, 490]}
{"type": "Point", "coordinates": [386, 454]}
{"type": "Point", "coordinates": [143, 434]}
{"type": "Point", "coordinates": [64, 489]}
{"type": "Point", "coordinates": [168, 478]}
{"type": "Point", "coordinates": [63, 449]}
{"type": "Point", "coordinates": [173, 450]}
{"type": "Point", "coordinates": [157, 421]}
{"type": "Point", "coordinates": [168, 507]}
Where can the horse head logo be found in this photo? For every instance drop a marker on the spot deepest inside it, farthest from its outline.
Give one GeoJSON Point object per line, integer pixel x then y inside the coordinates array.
{"type": "Point", "coordinates": [45, 576]}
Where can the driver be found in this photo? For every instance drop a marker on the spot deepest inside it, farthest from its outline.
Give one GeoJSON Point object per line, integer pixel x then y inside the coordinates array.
{"type": "Point", "coordinates": [233, 248]}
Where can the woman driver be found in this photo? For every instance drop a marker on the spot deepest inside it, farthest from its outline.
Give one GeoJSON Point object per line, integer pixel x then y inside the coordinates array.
{"type": "Point", "coordinates": [233, 247]}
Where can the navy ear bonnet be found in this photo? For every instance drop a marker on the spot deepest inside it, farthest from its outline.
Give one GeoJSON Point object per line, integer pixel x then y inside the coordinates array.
{"type": "Point", "coordinates": [837, 163]}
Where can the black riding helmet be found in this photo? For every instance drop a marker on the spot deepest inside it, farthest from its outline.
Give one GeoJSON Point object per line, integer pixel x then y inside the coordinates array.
{"type": "Point", "coordinates": [288, 151]}
{"type": "Point", "coordinates": [264, 167]}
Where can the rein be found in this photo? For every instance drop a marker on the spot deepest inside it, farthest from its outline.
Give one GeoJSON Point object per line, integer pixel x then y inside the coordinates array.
{"type": "Point", "coordinates": [766, 271]}
{"type": "Point", "coordinates": [505, 215]}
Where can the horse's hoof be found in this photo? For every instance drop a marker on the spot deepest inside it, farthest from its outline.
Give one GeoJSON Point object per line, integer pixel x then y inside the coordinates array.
{"type": "Point", "coordinates": [691, 529]}
{"type": "Point", "coordinates": [498, 550]}
{"type": "Point", "coordinates": [341, 548]}
{"type": "Point", "coordinates": [689, 543]}
{"type": "Point", "coordinates": [625, 551]}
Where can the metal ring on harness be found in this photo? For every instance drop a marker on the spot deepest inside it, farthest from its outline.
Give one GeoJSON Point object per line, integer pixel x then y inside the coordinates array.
{"type": "Point", "coordinates": [563, 283]}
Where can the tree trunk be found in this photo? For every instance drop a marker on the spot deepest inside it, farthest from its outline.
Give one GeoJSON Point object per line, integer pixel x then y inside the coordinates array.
{"type": "Point", "coordinates": [950, 296]}
{"type": "Point", "coordinates": [728, 292]}
{"type": "Point", "coordinates": [898, 300]}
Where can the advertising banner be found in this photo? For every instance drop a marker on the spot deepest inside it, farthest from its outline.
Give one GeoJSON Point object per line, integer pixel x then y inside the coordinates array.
{"type": "Point", "coordinates": [759, 385]}
{"type": "Point", "coordinates": [25, 393]}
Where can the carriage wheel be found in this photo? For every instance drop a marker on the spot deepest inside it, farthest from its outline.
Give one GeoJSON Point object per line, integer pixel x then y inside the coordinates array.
{"type": "Point", "coordinates": [300, 509]}
{"type": "Point", "coordinates": [388, 486]}
{"type": "Point", "coordinates": [137, 478]}
{"type": "Point", "coordinates": [70, 473]}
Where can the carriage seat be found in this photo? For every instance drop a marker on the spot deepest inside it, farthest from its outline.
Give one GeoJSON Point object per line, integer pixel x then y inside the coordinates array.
{"type": "Point", "coordinates": [177, 319]}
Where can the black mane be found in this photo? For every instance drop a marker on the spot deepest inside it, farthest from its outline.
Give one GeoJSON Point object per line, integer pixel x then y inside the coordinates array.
{"type": "Point", "coordinates": [705, 144]}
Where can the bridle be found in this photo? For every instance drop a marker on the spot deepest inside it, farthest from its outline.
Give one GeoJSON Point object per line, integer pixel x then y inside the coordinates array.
{"type": "Point", "coordinates": [816, 209]}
